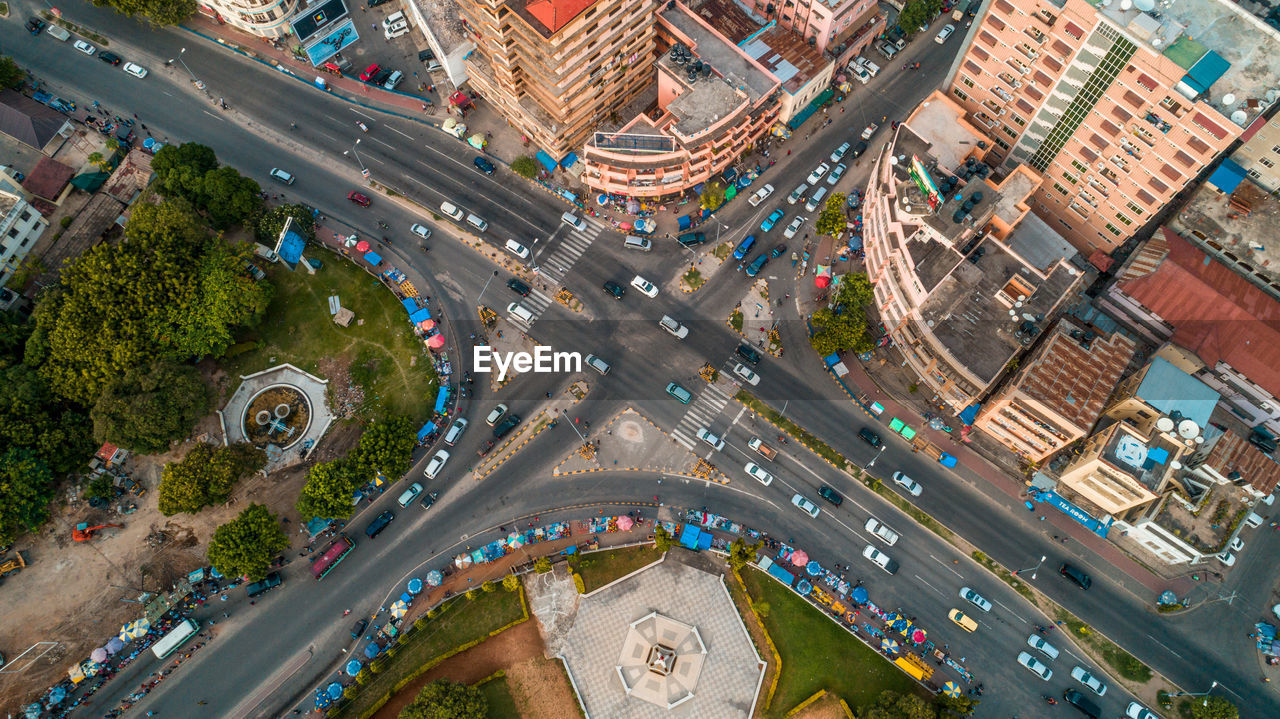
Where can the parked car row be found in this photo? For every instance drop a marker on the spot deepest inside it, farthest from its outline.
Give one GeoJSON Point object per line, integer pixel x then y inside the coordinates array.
{"type": "Point", "coordinates": [35, 26]}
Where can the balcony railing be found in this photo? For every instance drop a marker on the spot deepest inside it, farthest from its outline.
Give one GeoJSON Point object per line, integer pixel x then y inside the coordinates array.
{"type": "Point", "coordinates": [1110, 174]}
{"type": "Point", "coordinates": [1120, 162]}
{"type": "Point", "coordinates": [1027, 51]}
{"type": "Point", "coordinates": [1131, 149]}
{"type": "Point", "coordinates": [1001, 93]}
{"type": "Point", "coordinates": [1010, 80]}
{"type": "Point", "coordinates": [1159, 124]}
{"type": "Point", "coordinates": [1101, 188]}
{"type": "Point", "coordinates": [1035, 34]}
{"type": "Point", "coordinates": [1045, 17]}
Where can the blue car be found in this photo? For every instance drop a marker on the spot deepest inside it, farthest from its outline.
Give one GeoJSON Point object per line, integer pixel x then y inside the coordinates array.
{"type": "Point", "coordinates": [744, 247]}
{"type": "Point", "coordinates": [483, 165]}
{"type": "Point", "coordinates": [757, 264]}
{"type": "Point", "coordinates": [772, 220]}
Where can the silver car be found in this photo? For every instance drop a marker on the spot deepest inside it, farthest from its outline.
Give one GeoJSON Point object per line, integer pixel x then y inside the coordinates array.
{"type": "Point", "coordinates": [1037, 642]}
{"type": "Point", "coordinates": [1035, 666]}
{"type": "Point", "coordinates": [806, 506]}
{"type": "Point", "coordinates": [913, 487]}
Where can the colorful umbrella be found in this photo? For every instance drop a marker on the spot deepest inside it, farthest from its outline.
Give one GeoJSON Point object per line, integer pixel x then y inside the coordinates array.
{"type": "Point", "coordinates": [138, 629]}
{"type": "Point", "coordinates": [98, 655]}
{"type": "Point", "coordinates": [334, 690]}
{"type": "Point", "coordinates": [462, 560]}
{"type": "Point", "coordinates": [399, 609]}
{"type": "Point", "coordinates": [906, 631]}
{"type": "Point", "coordinates": [115, 645]}
{"type": "Point", "coordinates": [951, 689]}
{"type": "Point", "coordinates": [602, 200]}
{"type": "Point", "coordinates": [322, 699]}
{"type": "Point", "coordinates": [427, 324]}
{"type": "Point", "coordinates": [889, 645]}
{"type": "Point", "coordinates": [918, 635]}
{"type": "Point", "coordinates": [813, 569]}
{"type": "Point", "coordinates": [625, 523]}
{"type": "Point", "coordinates": [799, 558]}
{"type": "Point", "coordinates": [353, 667]}
{"type": "Point", "coordinates": [362, 246]}
{"type": "Point", "coordinates": [890, 617]}
{"type": "Point", "coordinates": [415, 585]}
{"type": "Point", "coordinates": [859, 595]}
{"type": "Point", "coordinates": [434, 578]}
{"type": "Point", "coordinates": [371, 650]}
{"type": "Point", "coordinates": [514, 540]}
{"type": "Point", "coordinates": [435, 342]}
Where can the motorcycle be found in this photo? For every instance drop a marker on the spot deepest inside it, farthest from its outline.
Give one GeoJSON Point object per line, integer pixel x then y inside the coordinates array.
{"type": "Point", "coordinates": [1048, 698]}
{"type": "Point", "coordinates": [383, 225]}
{"type": "Point", "coordinates": [362, 126]}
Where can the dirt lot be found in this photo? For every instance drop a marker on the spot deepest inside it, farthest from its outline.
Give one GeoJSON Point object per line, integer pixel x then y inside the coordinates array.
{"type": "Point", "coordinates": [828, 707]}
{"type": "Point", "coordinates": [538, 685]}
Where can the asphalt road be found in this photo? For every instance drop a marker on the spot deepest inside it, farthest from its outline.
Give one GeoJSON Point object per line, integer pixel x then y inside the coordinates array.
{"type": "Point", "coordinates": [254, 135]}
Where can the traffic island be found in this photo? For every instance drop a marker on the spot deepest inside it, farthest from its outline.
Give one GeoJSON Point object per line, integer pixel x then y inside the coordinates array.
{"type": "Point", "coordinates": [631, 442]}
{"type": "Point", "coordinates": [753, 319]}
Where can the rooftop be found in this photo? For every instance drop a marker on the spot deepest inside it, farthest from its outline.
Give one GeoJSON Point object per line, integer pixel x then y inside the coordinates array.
{"type": "Point", "coordinates": [443, 22]}
{"type": "Point", "coordinates": [28, 121]}
{"type": "Point", "coordinates": [726, 60]}
{"type": "Point", "coordinates": [1241, 226]}
{"type": "Point", "coordinates": [131, 177]}
{"type": "Point", "coordinates": [555, 14]}
{"type": "Point", "coordinates": [48, 178]}
{"type": "Point", "coordinates": [1232, 453]}
{"type": "Point", "coordinates": [1146, 460]}
{"type": "Point", "coordinates": [1072, 379]}
{"type": "Point", "coordinates": [1169, 390]}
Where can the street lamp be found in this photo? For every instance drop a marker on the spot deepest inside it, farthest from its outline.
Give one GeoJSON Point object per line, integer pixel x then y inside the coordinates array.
{"type": "Point", "coordinates": [363, 170]}
{"type": "Point", "coordinates": [486, 286]}
{"type": "Point", "coordinates": [872, 463]}
{"type": "Point", "coordinates": [575, 427]}
{"type": "Point", "coordinates": [194, 81]}
{"type": "Point", "coordinates": [1204, 693]}
{"type": "Point", "coordinates": [1031, 569]}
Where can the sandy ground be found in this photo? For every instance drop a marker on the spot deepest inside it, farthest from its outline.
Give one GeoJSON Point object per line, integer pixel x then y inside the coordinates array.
{"type": "Point", "coordinates": [828, 707]}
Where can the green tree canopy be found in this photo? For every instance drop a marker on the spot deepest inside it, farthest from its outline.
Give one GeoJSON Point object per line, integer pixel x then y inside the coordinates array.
{"type": "Point", "coordinates": [447, 699]}
{"type": "Point", "coordinates": [741, 553]}
{"type": "Point", "coordinates": [206, 476]}
{"type": "Point", "coordinates": [712, 196]}
{"type": "Point", "coordinates": [844, 326]}
{"type": "Point", "coordinates": [32, 417]}
{"type": "Point", "coordinates": [272, 222]}
{"type": "Point", "coordinates": [26, 488]}
{"type": "Point", "coordinates": [246, 545]}
{"type": "Point", "coordinates": [525, 167]}
{"type": "Point", "coordinates": [832, 219]}
{"type": "Point", "coordinates": [230, 198]}
{"type": "Point", "coordinates": [956, 707]}
{"type": "Point", "coordinates": [157, 12]}
{"type": "Point", "coordinates": [11, 76]}
{"type": "Point", "coordinates": [892, 705]}
{"type": "Point", "coordinates": [385, 446]}
{"type": "Point", "coordinates": [917, 14]}
{"type": "Point", "coordinates": [180, 169]}
{"type": "Point", "coordinates": [149, 406]}
{"type": "Point", "coordinates": [328, 491]}
{"type": "Point", "coordinates": [1216, 708]}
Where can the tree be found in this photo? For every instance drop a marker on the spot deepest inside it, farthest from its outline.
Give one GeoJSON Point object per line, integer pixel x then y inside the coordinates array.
{"type": "Point", "coordinates": [832, 220]}
{"type": "Point", "coordinates": [101, 488]}
{"type": "Point", "coordinates": [917, 14]}
{"type": "Point", "coordinates": [230, 198]}
{"type": "Point", "coordinates": [712, 196]}
{"type": "Point", "coordinates": [741, 553]}
{"type": "Point", "coordinates": [843, 326]}
{"type": "Point", "coordinates": [328, 491]}
{"type": "Point", "coordinates": [525, 167]}
{"type": "Point", "coordinates": [956, 707]}
{"type": "Point", "coordinates": [157, 12]}
{"type": "Point", "coordinates": [26, 488]}
{"type": "Point", "coordinates": [180, 169]}
{"type": "Point", "coordinates": [511, 582]}
{"type": "Point", "coordinates": [661, 539]}
{"type": "Point", "coordinates": [246, 545]}
{"type": "Point", "coordinates": [32, 417]}
{"type": "Point", "coordinates": [855, 291]}
{"type": "Point", "coordinates": [892, 705]}
{"type": "Point", "coordinates": [149, 406]}
{"type": "Point", "coordinates": [11, 76]}
{"type": "Point", "coordinates": [447, 699]}
{"type": "Point", "coordinates": [206, 476]}
{"type": "Point", "coordinates": [1216, 708]}
{"type": "Point", "coordinates": [272, 221]}
{"type": "Point", "coordinates": [386, 446]}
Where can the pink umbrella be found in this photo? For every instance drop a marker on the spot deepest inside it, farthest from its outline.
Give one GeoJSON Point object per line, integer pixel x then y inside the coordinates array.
{"type": "Point", "coordinates": [362, 246]}
{"type": "Point", "coordinates": [435, 342]}
{"type": "Point", "coordinates": [799, 558]}
{"type": "Point", "coordinates": [624, 523]}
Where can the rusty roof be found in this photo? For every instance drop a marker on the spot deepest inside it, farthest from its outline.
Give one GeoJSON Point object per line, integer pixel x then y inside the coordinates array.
{"type": "Point", "coordinates": [48, 178]}
{"type": "Point", "coordinates": [130, 177]}
{"type": "Point", "coordinates": [1071, 380]}
{"type": "Point", "coordinates": [1233, 453]}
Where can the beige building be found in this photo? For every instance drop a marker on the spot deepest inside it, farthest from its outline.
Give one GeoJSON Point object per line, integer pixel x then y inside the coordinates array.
{"type": "Point", "coordinates": [1120, 471]}
{"type": "Point", "coordinates": [1116, 107]}
{"type": "Point", "coordinates": [1260, 153]}
{"type": "Point", "coordinates": [20, 227]}
{"type": "Point", "coordinates": [264, 18]}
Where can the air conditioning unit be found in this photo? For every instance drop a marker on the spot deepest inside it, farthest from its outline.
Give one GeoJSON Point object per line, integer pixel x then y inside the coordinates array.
{"type": "Point", "coordinates": [1266, 407]}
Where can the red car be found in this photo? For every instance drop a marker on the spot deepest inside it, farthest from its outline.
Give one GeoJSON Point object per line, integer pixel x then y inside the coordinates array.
{"type": "Point", "coordinates": [359, 199]}
{"type": "Point", "coordinates": [370, 72]}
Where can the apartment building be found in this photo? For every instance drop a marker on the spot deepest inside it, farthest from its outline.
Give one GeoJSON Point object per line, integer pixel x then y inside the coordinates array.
{"type": "Point", "coordinates": [965, 276]}
{"type": "Point", "coordinates": [1116, 105]}
{"type": "Point", "coordinates": [840, 28]}
{"type": "Point", "coordinates": [557, 68]}
{"type": "Point", "coordinates": [1120, 471]}
{"type": "Point", "coordinates": [264, 18]}
{"type": "Point", "coordinates": [20, 227]}
{"type": "Point", "coordinates": [1260, 153]}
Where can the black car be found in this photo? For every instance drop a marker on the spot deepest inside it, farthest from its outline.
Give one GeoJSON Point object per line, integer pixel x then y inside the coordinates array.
{"type": "Point", "coordinates": [692, 239]}
{"type": "Point", "coordinates": [519, 287]}
{"type": "Point", "coordinates": [35, 26]}
{"type": "Point", "coordinates": [1080, 701]}
{"type": "Point", "coordinates": [109, 57]}
{"type": "Point", "coordinates": [429, 499]}
{"type": "Point", "coordinates": [870, 437]}
{"type": "Point", "coordinates": [482, 164]}
{"type": "Point", "coordinates": [748, 353]}
{"type": "Point", "coordinates": [614, 289]}
{"type": "Point", "coordinates": [859, 148]}
{"type": "Point", "coordinates": [508, 424]}
{"type": "Point", "coordinates": [380, 78]}
{"type": "Point", "coordinates": [423, 55]}
{"type": "Point", "coordinates": [484, 448]}
{"type": "Point", "coordinates": [358, 630]}
{"type": "Point", "coordinates": [830, 495]}
{"type": "Point", "coordinates": [777, 251]}
{"type": "Point", "coordinates": [1077, 577]}
{"type": "Point", "coordinates": [379, 523]}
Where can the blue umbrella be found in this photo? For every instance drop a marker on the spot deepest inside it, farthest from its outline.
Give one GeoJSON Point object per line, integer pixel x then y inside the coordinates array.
{"type": "Point", "coordinates": [859, 595]}
{"type": "Point", "coordinates": [404, 597]}
{"type": "Point", "coordinates": [434, 578]}
{"type": "Point", "coordinates": [322, 699]}
{"type": "Point", "coordinates": [415, 585]}
{"type": "Point", "coordinates": [353, 667]}
{"type": "Point", "coordinates": [372, 650]}
{"type": "Point", "coordinates": [813, 569]}
{"type": "Point", "coordinates": [335, 691]}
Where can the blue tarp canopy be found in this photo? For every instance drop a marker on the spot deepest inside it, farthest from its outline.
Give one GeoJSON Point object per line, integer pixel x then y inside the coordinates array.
{"type": "Point", "coordinates": [1207, 70]}
{"type": "Point", "coordinates": [777, 572]}
{"type": "Point", "coordinates": [832, 359]}
{"type": "Point", "coordinates": [855, 242]}
{"type": "Point", "coordinates": [947, 460]}
{"type": "Point", "coordinates": [1228, 176]}
{"type": "Point", "coordinates": [372, 649]}
{"type": "Point", "coordinates": [689, 536]}
{"type": "Point", "coordinates": [291, 248]}
{"type": "Point", "coordinates": [427, 429]}
{"type": "Point", "coordinates": [970, 413]}
{"type": "Point", "coordinates": [568, 160]}
{"type": "Point", "coordinates": [442, 399]}
{"type": "Point", "coordinates": [373, 258]}
{"type": "Point", "coordinates": [410, 305]}
{"type": "Point", "coordinates": [547, 161]}
{"type": "Point", "coordinates": [420, 315]}
{"type": "Point", "coordinates": [686, 221]}
{"type": "Point", "coordinates": [704, 540]}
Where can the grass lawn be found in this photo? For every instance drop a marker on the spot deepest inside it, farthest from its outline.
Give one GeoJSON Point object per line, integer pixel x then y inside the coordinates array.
{"type": "Point", "coordinates": [460, 621]}
{"type": "Point", "coordinates": [386, 358]}
{"type": "Point", "coordinates": [501, 704]}
{"type": "Point", "coordinates": [818, 654]}
{"type": "Point", "coordinates": [600, 568]}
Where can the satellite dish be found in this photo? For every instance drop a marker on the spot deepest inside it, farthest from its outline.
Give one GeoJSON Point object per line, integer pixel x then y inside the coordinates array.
{"type": "Point", "coordinates": [1187, 429]}
{"type": "Point", "coordinates": [893, 159]}
{"type": "Point", "coordinates": [1239, 117]}
{"type": "Point", "coordinates": [1145, 5]}
{"type": "Point", "coordinates": [1228, 99]}
{"type": "Point", "coordinates": [1164, 424]}
{"type": "Point", "coordinates": [1175, 465]}
{"type": "Point", "coordinates": [1199, 440]}
{"type": "Point", "coordinates": [1126, 4]}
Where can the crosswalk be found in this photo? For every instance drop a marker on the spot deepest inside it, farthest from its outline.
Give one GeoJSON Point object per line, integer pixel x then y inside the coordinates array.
{"type": "Point", "coordinates": [704, 410]}
{"type": "Point", "coordinates": [556, 265]}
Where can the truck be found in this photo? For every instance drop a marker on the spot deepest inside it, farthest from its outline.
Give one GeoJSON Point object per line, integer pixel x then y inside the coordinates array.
{"type": "Point", "coordinates": [763, 449]}
{"type": "Point", "coordinates": [269, 582]}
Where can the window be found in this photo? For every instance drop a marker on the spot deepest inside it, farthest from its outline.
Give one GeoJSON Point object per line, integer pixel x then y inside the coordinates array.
{"type": "Point", "coordinates": [960, 94]}
{"type": "Point", "coordinates": [1275, 149]}
{"type": "Point", "coordinates": [1070, 178]}
{"type": "Point", "coordinates": [1009, 131]}
{"type": "Point", "coordinates": [1255, 174]}
{"type": "Point", "coordinates": [1121, 216]}
{"type": "Point", "coordinates": [1018, 121]}
{"type": "Point", "coordinates": [1061, 190]}
{"type": "Point", "coordinates": [1266, 162]}
{"type": "Point", "coordinates": [966, 81]}
{"type": "Point", "coordinates": [1080, 167]}
{"type": "Point", "coordinates": [1113, 229]}
{"type": "Point", "coordinates": [26, 215]}
{"type": "Point", "coordinates": [1135, 209]}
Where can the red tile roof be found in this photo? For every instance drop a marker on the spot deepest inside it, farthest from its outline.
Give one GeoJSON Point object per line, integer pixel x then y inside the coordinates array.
{"type": "Point", "coordinates": [555, 14]}
{"type": "Point", "coordinates": [48, 178]}
{"type": "Point", "coordinates": [1233, 453]}
{"type": "Point", "coordinates": [1216, 313]}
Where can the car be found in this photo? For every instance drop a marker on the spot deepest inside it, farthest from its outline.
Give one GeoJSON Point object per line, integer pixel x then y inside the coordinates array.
{"type": "Point", "coordinates": [420, 230]}
{"type": "Point", "coordinates": [944, 33]}
{"type": "Point", "coordinates": [1227, 558]}
{"type": "Point", "coordinates": [392, 81]}
{"type": "Point", "coordinates": [1078, 700]}
{"type": "Point", "coordinates": [136, 70]}
{"type": "Point", "coordinates": [772, 219]}
{"type": "Point", "coordinates": [975, 599]}
{"type": "Point", "coordinates": [482, 164]}
{"type": "Point", "coordinates": [508, 424]}
{"type": "Point", "coordinates": [761, 195]}
{"type": "Point", "coordinates": [757, 264]}
{"type": "Point", "coordinates": [370, 72]}
{"type": "Point", "coordinates": [1137, 711]}
{"type": "Point", "coordinates": [838, 153]}
{"type": "Point", "coordinates": [880, 531]}
{"type": "Point", "coordinates": [880, 559]}
{"type": "Point", "coordinates": [746, 374]}
{"type": "Point", "coordinates": [692, 239]}
{"type": "Point", "coordinates": [455, 431]}
{"type": "Point", "coordinates": [269, 582]}
{"type": "Point", "coordinates": [597, 364]}
{"type": "Point", "coordinates": [759, 473]}
{"type": "Point", "coordinates": [836, 173]}
{"type": "Point", "coordinates": [869, 437]}
{"type": "Point", "coordinates": [744, 247]}
{"type": "Point", "coordinates": [716, 442]}
{"type": "Point", "coordinates": [1253, 520]}
{"type": "Point", "coordinates": [676, 329]}
{"type": "Point", "coordinates": [396, 31]}
{"type": "Point", "coordinates": [357, 630]}
{"type": "Point", "coordinates": [359, 199]}
{"type": "Point", "coordinates": [817, 173]}
{"type": "Point", "coordinates": [394, 18]}
{"type": "Point", "coordinates": [794, 227]}
{"type": "Point", "coordinates": [84, 47]}
{"type": "Point", "coordinates": [614, 289]}
{"type": "Point", "coordinates": [830, 495]}
{"type": "Point", "coordinates": [646, 288]}
{"type": "Point", "coordinates": [861, 73]}
{"type": "Point", "coordinates": [495, 415]}
{"type": "Point", "coordinates": [1077, 577]}
{"type": "Point", "coordinates": [1095, 685]}
{"type": "Point", "coordinates": [429, 500]}
{"type": "Point", "coordinates": [748, 353]}
{"type": "Point", "coordinates": [484, 448]}
{"type": "Point", "coordinates": [962, 620]}
{"type": "Point", "coordinates": [679, 392]}
{"type": "Point", "coordinates": [777, 251]}
{"type": "Point", "coordinates": [1236, 545]}
{"type": "Point", "coordinates": [806, 506]}
{"type": "Point", "coordinates": [379, 523]}
{"type": "Point", "coordinates": [1035, 641]}
{"type": "Point", "coordinates": [871, 68]}
{"type": "Point", "coordinates": [797, 194]}
{"type": "Point", "coordinates": [436, 464]}
{"type": "Point", "coordinates": [912, 487]}
{"type": "Point", "coordinates": [859, 148]}
{"type": "Point", "coordinates": [519, 287]}
{"type": "Point", "coordinates": [381, 78]}
{"type": "Point", "coordinates": [281, 176]}
{"type": "Point", "coordinates": [1035, 666]}
{"type": "Point", "coordinates": [407, 496]}
{"type": "Point", "coordinates": [35, 25]}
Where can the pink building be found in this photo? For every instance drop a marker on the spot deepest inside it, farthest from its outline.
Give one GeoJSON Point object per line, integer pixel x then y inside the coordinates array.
{"type": "Point", "coordinates": [840, 28]}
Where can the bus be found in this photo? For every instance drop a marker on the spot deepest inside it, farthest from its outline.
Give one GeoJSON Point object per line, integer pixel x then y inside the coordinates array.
{"type": "Point", "coordinates": [332, 554]}
{"type": "Point", "coordinates": [176, 637]}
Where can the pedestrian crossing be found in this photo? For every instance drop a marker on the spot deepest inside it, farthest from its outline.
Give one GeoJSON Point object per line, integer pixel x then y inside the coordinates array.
{"type": "Point", "coordinates": [570, 247]}
{"type": "Point", "coordinates": [702, 413]}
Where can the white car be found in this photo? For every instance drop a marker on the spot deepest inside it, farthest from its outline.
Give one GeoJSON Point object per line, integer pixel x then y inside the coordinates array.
{"type": "Point", "coordinates": [137, 71]}
{"type": "Point", "coordinates": [746, 374]}
{"type": "Point", "coordinates": [420, 230]}
{"type": "Point", "coordinates": [1227, 558]}
{"type": "Point", "coordinates": [1035, 666]}
{"type": "Point", "coordinates": [1089, 680]}
{"type": "Point", "coordinates": [871, 68]}
{"type": "Point", "coordinates": [495, 415]}
{"type": "Point", "coordinates": [944, 33]}
{"type": "Point", "coordinates": [281, 176]}
{"type": "Point", "coordinates": [1036, 641]}
{"type": "Point", "coordinates": [705, 435]}
{"type": "Point", "coordinates": [838, 153]}
{"type": "Point", "coordinates": [861, 73]}
{"type": "Point", "coordinates": [975, 599]}
{"type": "Point", "coordinates": [1236, 545]}
{"type": "Point", "coordinates": [836, 174]}
{"type": "Point", "coordinates": [676, 329]}
{"type": "Point", "coordinates": [647, 288]}
{"type": "Point", "coordinates": [881, 532]}
{"type": "Point", "coordinates": [436, 464]}
{"type": "Point", "coordinates": [913, 487]}
{"type": "Point", "coordinates": [1137, 711]}
{"type": "Point", "coordinates": [817, 173]}
{"type": "Point", "coordinates": [793, 228]}
{"type": "Point", "coordinates": [758, 472]}
{"type": "Point", "coordinates": [396, 31]}
{"type": "Point", "coordinates": [761, 195]}
{"type": "Point", "coordinates": [806, 506]}
{"type": "Point", "coordinates": [880, 559]}
{"type": "Point", "coordinates": [517, 249]}
{"type": "Point", "coordinates": [84, 47]}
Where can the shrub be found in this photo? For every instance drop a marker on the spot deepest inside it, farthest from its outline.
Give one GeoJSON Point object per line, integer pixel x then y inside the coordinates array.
{"type": "Point", "coordinates": [511, 582]}
{"type": "Point", "coordinates": [489, 586]}
{"type": "Point", "coordinates": [472, 594]}
{"type": "Point", "coordinates": [431, 613]}
{"type": "Point", "coordinates": [542, 565]}
{"type": "Point", "coordinates": [577, 582]}
{"type": "Point", "coordinates": [421, 623]}
{"type": "Point", "coordinates": [377, 665]}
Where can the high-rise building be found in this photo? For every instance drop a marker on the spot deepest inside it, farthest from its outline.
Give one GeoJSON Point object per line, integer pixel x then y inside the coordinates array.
{"type": "Point", "coordinates": [264, 18]}
{"type": "Point", "coordinates": [840, 28]}
{"type": "Point", "coordinates": [1116, 104]}
{"type": "Point", "coordinates": [557, 68]}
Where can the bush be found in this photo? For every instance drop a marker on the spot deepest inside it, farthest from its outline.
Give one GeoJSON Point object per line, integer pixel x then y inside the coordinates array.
{"type": "Point", "coordinates": [431, 613]}
{"type": "Point", "coordinates": [101, 488]}
{"type": "Point", "coordinates": [421, 622]}
{"type": "Point", "coordinates": [762, 609]}
{"type": "Point", "coordinates": [525, 167]}
{"type": "Point", "coordinates": [489, 586]}
{"type": "Point", "coordinates": [577, 582]}
{"type": "Point", "coordinates": [377, 665]}
{"type": "Point", "coordinates": [65, 222]}
{"type": "Point", "coordinates": [511, 582]}
{"type": "Point", "coordinates": [472, 594]}
{"type": "Point", "coordinates": [542, 565]}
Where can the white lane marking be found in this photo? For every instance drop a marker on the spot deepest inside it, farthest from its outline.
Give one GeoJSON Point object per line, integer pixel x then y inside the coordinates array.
{"type": "Point", "coordinates": [1157, 641]}
{"type": "Point", "coordinates": [1007, 609]}
{"type": "Point", "coordinates": [948, 566]}
{"type": "Point", "coordinates": [402, 134]}
{"type": "Point", "coordinates": [361, 114]}
{"type": "Point", "coordinates": [922, 581]}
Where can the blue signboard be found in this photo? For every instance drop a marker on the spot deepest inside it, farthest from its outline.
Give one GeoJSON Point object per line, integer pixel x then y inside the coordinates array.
{"type": "Point", "coordinates": [334, 39]}
{"type": "Point", "coordinates": [1097, 526]}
